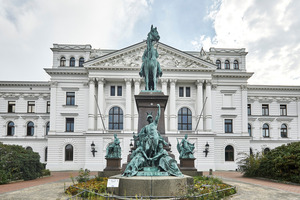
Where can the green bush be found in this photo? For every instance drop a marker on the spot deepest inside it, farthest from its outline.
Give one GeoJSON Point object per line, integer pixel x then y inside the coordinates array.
{"type": "Point", "coordinates": [281, 163]}
{"type": "Point", "coordinates": [18, 163]}
{"type": "Point", "coordinates": [83, 176]}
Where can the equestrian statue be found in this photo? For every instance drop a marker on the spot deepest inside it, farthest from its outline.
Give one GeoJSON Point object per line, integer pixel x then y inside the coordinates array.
{"type": "Point", "coordinates": [150, 67]}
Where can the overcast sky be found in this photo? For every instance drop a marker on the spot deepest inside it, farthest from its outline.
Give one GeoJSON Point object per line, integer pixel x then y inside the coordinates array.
{"type": "Point", "coordinates": [268, 29]}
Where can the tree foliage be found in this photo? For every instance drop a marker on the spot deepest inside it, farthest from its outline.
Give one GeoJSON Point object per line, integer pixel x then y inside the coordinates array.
{"type": "Point", "coordinates": [281, 163]}
{"type": "Point", "coordinates": [18, 163]}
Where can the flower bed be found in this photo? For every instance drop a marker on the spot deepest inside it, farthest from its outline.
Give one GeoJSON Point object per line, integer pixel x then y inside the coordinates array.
{"type": "Point", "coordinates": [204, 187]}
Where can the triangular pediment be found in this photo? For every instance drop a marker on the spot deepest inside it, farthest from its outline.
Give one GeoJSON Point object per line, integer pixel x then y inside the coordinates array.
{"type": "Point", "coordinates": [169, 58]}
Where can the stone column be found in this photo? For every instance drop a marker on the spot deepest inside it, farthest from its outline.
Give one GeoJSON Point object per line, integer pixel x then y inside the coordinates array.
{"type": "Point", "coordinates": [128, 105]}
{"type": "Point", "coordinates": [52, 107]}
{"type": "Point", "coordinates": [208, 108]}
{"type": "Point", "coordinates": [164, 86]}
{"type": "Point", "coordinates": [137, 83]}
{"type": "Point", "coordinates": [101, 102]}
{"type": "Point", "coordinates": [91, 115]}
{"type": "Point", "coordinates": [244, 110]}
{"type": "Point", "coordinates": [199, 105]}
{"type": "Point", "coordinates": [173, 125]}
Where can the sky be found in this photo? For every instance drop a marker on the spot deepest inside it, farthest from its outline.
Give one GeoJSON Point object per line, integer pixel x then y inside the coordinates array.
{"type": "Point", "coordinates": [268, 29]}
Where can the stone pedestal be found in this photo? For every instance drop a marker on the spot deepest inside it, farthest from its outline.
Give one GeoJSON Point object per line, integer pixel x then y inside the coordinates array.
{"type": "Point", "coordinates": [154, 186]}
{"type": "Point", "coordinates": [187, 167]}
{"type": "Point", "coordinates": [147, 102]}
{"type": "Point", "coordinates": [113, 167]}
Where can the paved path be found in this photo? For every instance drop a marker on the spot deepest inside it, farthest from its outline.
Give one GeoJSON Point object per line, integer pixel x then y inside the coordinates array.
{"type": "Point", "coordinates": [53, 188]}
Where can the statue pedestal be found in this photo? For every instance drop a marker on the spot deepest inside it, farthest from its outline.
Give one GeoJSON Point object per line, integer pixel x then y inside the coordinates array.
{"type": "Point", "coordinates": [113, 167]}
{"type": "Point", "coordinates": [187, 167]}
{"type": "Point", "coordinates": [147, 102]}
{"type": "Point", "coordinates": [152, 186]}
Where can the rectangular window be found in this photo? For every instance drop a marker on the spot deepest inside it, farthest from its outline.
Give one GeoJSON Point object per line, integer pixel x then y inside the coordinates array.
{"type": "Point", "coordinates": [119, 90]}
{"type": "Point", "coordinates": [11, 106]}
{"type": "Point", "coordinates": [228, 126]}
{"type": "Point", "coordinates": [283, 111]}
{"type": "Point", "coordinates": [188, 92]}
{"type": "Point", "coordinates": [265, 109]}
{"type": "Point", "coordinates": [48, 107]}
{"type": "Point", "coordinates": [31, 107]}
{"type": "Point", "coordinates": [112, 90]}
{"type": "Point", "coordinates": [181, 91]}
{"type": "Point", "coordinates": [69, 124]}
{"type": "Point", "coordinates": [249, 109]}
{"type": "Point", "coordinates": [70, 100]}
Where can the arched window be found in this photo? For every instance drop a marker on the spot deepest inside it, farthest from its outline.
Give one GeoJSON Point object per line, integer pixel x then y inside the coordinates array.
{"type": "Point", "coordinates": [29, 149]}
{"type": "Point", "coordinates": [47, 127]}
{"type": "Point", "coordinates": [46, 154]}
{"type": "Point", "coordinates": [227, 64]}
{"type": "Point", "coordinates": [218, 63]}
{"type": "Point", "coordinates": [62, 61]}
{"type": "Point", "coordinates": [265, 130]}
{"type": "Point", "coordinates": [266, 150]}
{"type": "Point", "coordinates": [69, 153]}
{"type": "Point", "coordinates": [10, 129]}
{"type": "Point", "coordinates": [236, 64]}
{"type": "Point", "coordinates": [184, 119]}
{"type": "Point", "coordinates": [229, 153]}
{"type": "Point", "coordinates": [30, 129]}
{"type": "Point", "coordinates": [81, 61]}
{"type": "Point", "coordinates": [72, 62]}
{"type": "Point", "coordinates": [249, 130]}
{"type": "Point", "coordinates": [283, 130]}
{"type": "Point", "coordinates": [116, 118]}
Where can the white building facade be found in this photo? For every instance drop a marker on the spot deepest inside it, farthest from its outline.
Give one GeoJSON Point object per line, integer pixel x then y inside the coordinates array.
{"type": "Point", "coordinates": [90, 96]}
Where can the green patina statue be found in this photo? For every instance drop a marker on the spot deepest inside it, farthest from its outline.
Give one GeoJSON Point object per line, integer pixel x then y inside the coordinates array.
{"type": "Point", "coordinates": [149, 158]}
{"type": "Point", "coordinates": [185, 148]}
{"type": "Point", "coordinates": [150, 67]}
{"type": "Point", "coordinates": [114, 150]}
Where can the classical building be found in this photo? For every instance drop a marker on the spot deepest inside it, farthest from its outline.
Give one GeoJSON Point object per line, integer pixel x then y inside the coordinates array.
{"type": "Point", "coordinates": [90, 96]}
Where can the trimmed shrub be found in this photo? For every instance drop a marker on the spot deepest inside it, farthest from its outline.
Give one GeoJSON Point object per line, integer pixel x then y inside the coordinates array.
{"type": "Point", "coordinates": [18, 163]}
{"type": "Point", "coordinates": [281, 163]}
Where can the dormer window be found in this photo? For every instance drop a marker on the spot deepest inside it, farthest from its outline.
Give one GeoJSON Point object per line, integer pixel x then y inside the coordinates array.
{"type": "Point", "coordinates": [81, 61]}
{"type": "Point", "coordinates": [72, 62]}
{"type": "Point", "coordinates": [227, 64]}
{"type": "Point", "coordinates": [62, 61]}
{"type": "Point", "coordinates": [236, 64]}
{"type": "Point", "coordinates": [218, 63]}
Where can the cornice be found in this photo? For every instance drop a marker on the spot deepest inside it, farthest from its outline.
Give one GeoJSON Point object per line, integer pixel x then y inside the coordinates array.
{"type": "Point", "coordinates": [273, 87]}
{"type": "Point", "coordinates": [233, 74]}
{"type": "Point", "coordinates": [66, 71]}
{"type": "Point", "coordinates": [25, 83]}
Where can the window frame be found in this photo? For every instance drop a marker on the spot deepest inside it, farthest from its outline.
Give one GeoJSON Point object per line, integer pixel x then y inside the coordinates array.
{"type": "Point", "coordinates": [30, 106]}
{"type": "Point", "coordinates": [119, 90]}
{"type": "Point", "coordinates": [236, 64]}
{"type": "Point", "coordinates": [265, 110]}
{"type": "Point", "coordinates": [46, 154]}
{"type": "Point", "coordinates": [283, 109]}
{"type": "Point", "coordinates": [69, 153]}
{"type": "Point", "coordinates": [72, 62]}
{"type": "Point", "coordinates": [284, 131]}
{"type": "Point", "coordinates": [228, 125]}
{"type": "Point", "coordinates": [116, 118]}
{"type": "Point", "coordinates": [70, 123]}
{"type": "Point", "coordinates": [81, 61]}
{"type": "Point", "coordinates": [181, 122]}
{"type": "Point", "coordinates": [11, 106]}
{"type": "Point", "coordinates": [219, 64]}
{"type": "Point", "coordinates": [70, 98]}
{"type": "Point", "coordinates": [30, 129]}
{"type": "Point", "coordinates": [48, 107]}
{"type": "Point", "coordinates": [227, 64]}
{"type": "Point", "coordinates": [249, 109]}
{"type": "Point", "coordinates": [249, 129]}
{"type": "Point", "coordinates": [10, 131]}
{"type": "Point", "coordinates": [266, 130]}
{"type": "Point", "coordinates": [62, 62]}
{"type": "Point", "coordinates": [229, 153]}
{"type": "Point", "coordinates": [47, 128]}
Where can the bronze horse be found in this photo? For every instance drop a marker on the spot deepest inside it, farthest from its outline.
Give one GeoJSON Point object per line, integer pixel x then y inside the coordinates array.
{"type": "Point", "coordinates": [151, 68]}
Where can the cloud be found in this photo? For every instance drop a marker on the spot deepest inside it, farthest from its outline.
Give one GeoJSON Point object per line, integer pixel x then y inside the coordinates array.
{"type": "Point", "coordinates": [269, 30]}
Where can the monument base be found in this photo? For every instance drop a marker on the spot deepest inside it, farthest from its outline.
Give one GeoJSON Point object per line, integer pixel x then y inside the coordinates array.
{"type": "Point", "coordinates": [152, 171]}
{"type": "Point", "coordinates": [113, 167]}
{"type": "Point", "coordinates": [187, 167]}
{"type": "Point", "coordinates": [154, 186]}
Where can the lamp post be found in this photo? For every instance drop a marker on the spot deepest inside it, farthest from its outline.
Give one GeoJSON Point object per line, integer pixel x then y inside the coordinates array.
{"type": "Point", "coordinates": [93, 149]}
{"type": "Point", "coordinates": [206, 149]}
